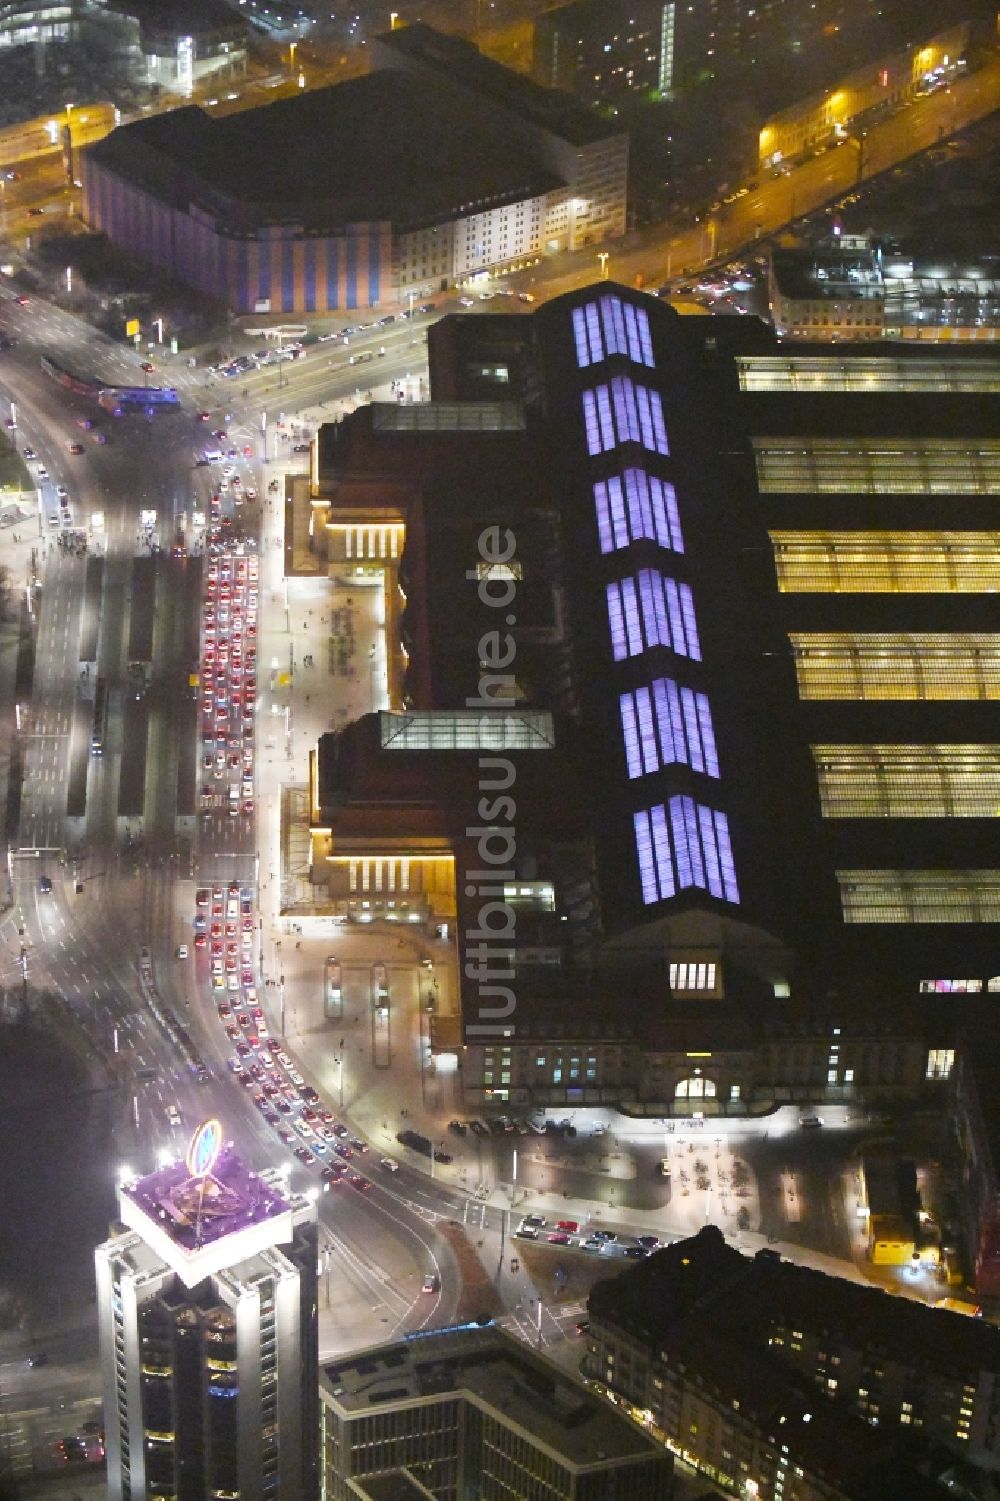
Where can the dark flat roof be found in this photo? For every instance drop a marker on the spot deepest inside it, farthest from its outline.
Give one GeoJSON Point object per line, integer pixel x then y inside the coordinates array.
{"type": "Point", "coordinates": [390, 147]}
{"type": "Point", "coordinates": [462, 63]}
{"type": "Point", "coordinates": [183, 17]}
{"type": "Point", "coordinates": [489, 1364]}
{"type": "Point", "coordinates": [704, 1278]}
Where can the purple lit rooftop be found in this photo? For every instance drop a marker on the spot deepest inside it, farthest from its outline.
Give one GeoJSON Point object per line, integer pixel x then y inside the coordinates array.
{"type": "Point", "coordinates": [202, 1225]}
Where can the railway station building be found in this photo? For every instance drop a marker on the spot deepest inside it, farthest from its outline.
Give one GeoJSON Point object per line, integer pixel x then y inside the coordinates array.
{"type": "Point", "coordinates": [749, 600]}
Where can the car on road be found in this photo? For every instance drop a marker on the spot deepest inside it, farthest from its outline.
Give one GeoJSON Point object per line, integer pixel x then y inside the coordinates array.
{"type": "Point", "coordinates": [388, 1164]}
{"type": "Point", "coordinates": [304, 1155]}
{"type": "Point", "coordinates": [810, 1122]}
{"type": "Point", "coordinates": [148, 366]}
{"type": "Point", "coordinates": [76, 448]}
{"type": "Point", "coordinates": [182, 951]}
{"type": "Point", "coordinates": [466, 302]}
{"type": "Point", "coordinates": [604, 1235]}
{"type": "Point", "coordinates": [536, 1220]}
{"type": "Point", "coordinates": [430, 1283]}
{"type": "Point", "coordinates": [72, 1450]}
{"type": "Point", "coordinates": [527, 1232]}
{"type": "Point", "coordinates": [570, 1226]}
{"type": "Point", "coordinates": [558, 1239]}
{"type": "Point", "coordinates": [34, 1360]}
{"type": "Point", "coordinates": [649, 1241]}
{"type": "Point", "coordinates": [45, 885]}
{"type": "Point", "coordinates": [635, 1252]}
{"type": "Point", "coordinates": [360, 1183]}
{"type": "Point", "coordinates": [459, 1127]}
{"type": "Point", "coordinates": [582, 1326]}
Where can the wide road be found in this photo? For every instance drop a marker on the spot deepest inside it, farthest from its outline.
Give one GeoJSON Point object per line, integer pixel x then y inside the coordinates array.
{"type": "Point", "coordinates": [668, 251]}
{"type": "Point", "coordinates": [84, 944]}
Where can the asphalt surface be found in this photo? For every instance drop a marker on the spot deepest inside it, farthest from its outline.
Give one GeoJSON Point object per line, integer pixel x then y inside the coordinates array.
{"type": "Point", "coordinates": [120, 885]}
{"type": "Point", "coordinates": [138, 883]}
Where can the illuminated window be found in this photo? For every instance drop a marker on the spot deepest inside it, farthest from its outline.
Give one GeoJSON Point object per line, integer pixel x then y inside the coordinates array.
{"type": "Point", "coordinates": [682, 845]}
{"type": "Point", "coordinates": [693, 976]}
{"type": "Point", "coordinates": [866, 374]}
{"type": "Point", "coordinates": [504, 571]}
{"type": "Point", "coordinates": [467, 729]}
{"type": "Point", "coordinates": [656, 871]}
{"type": "Point", "coordinates": [695, 1089]}
{"type": "Point", "coordinates": [623, 412]}
{"type": "Point", "coordinates": [925, 665]}
{"type": "Point", "coordinates": [887, 562]}
{"type": "Point", "coordinates": [636, 506]}
{"type": "Point", "coordinates": [908, 781]}
{"type": "Point", "coordinates": [940, 1062]}
{"type": "Point", "coordinates": [950, 987]}
{"type": "Point", "coordinates": [920, 896]}
{"type": "Point", "coordinates": [650, 610]}
{"type": "Point", "coordinates": [664, 724]}
{"type": "Point", "coordinates": [878, 466]}
{"type": "Point", "coordinates": [611, 326]}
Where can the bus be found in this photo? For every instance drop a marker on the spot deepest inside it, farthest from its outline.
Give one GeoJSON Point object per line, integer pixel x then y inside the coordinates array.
{"type": "Point", "coordinates": [100, 718]}
{"type": "Point", "coordinates": [120, 399]}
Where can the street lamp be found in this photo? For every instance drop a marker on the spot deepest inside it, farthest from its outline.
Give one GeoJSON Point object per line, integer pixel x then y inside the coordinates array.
{"type": "Point", "coordinates": [859, 141]}
{"type": "Point", "coordinates": [393, 18]}
{"type": "Point", "coordinates": [712, 228]}
{"type": "Point", "coordinates": [602, 256]}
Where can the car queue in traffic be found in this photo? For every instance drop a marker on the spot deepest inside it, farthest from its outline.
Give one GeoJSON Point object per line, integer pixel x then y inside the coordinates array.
{"type": "Point", "coordinates": [226, 921]}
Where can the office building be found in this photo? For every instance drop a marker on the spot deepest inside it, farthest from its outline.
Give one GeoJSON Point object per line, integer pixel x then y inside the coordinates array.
{"type": "Point", "coordinates": [185, 42]}
{"type": "Point", "coordinates": [605, 53]}
{"type": "Point", "coordinates": [28, 21]}
{"type": "Point", "coordinates": [977, 1129]}
{"type": "Point", "coordinates": [612, 53]}
{"type": "Point", "coordinates": [207, 1307]}
{"type": "Point", "coordinates": [758, 1370]}
{"type": "Point", "coordinates": [851, 287]}
{"type": "Point", "coordinates": [750, 597]}
{"type": "Point", "coordinates": [471, 1411]}
{"type": "Point", "coordinates": [337, 199]}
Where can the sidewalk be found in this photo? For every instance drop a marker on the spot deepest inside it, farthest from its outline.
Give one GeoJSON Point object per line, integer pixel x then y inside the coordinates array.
{"type": "Point", "coordinates": [308, 694]}
{"type": "Point", "coordinates": [17, 542]}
